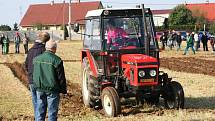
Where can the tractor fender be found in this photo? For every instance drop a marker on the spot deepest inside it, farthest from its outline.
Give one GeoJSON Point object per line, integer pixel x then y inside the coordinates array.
{"type": "Point", "coordinates": [93, 65]}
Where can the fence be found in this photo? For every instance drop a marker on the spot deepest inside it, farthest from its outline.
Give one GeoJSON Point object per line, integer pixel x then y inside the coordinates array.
{"type": "Point", "coordinates": [54, 34]}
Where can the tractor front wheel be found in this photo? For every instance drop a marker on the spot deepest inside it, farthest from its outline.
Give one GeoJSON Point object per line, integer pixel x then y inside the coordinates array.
{"type": "Point", "coordinates": [174, 96]}
{"type": "Point", "coordinates": [111, 102]}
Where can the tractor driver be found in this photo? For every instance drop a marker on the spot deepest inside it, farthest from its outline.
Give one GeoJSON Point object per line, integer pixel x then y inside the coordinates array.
{"type": "Point", "coordinates": [115, 36]}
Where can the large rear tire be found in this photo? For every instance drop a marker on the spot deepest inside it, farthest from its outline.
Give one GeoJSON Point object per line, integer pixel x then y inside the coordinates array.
{"type": "Point", "coordinates": [111, 102]}
{"type": "Point", "coordinates": [174, 96]}
{"type": "Point", "coordinates": [85, 80]}
{"type": "Point", "coordinates": [88, 86]}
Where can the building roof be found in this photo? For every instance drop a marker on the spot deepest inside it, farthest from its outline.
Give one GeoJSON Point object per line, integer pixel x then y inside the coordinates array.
{"type": "Point", "coordinates": [164, 11]}
{"type": "Point", "coordinates": [57, 13]}
{"type": "Point", "coordinates": [206, 8]}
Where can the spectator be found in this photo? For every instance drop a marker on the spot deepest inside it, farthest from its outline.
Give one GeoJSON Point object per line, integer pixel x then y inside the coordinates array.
{"type": "Point", "coordinates": [196, 39]}
{"type": "Point", "coordinates": [163, 40]}
{"type": "Point", "coordinates": [212, 42]}
{"type": "Point", "coordinates": [49, 81]}
{"type": "Point", "coordinates": [5, 42]}
{"type": "Point", "coordinates": [37, 49]}
{"type": "Point", "coordinates": [205, 41]}
{"type": "Point", "coordinates": [170, 40]}
{"type": "Point", "coordinates": [25, 42]}
{"type": "Point", "coordinates": [1, 41]}
{"type": "Point", "coordinates": [178, 40]}
{"type": "Point", "coordinates": [115, 35]}
{"type": "Point", "coordinates": [190, 43]}
{"type": "Point", "coordinates": [174, 38]}
{"type": "Point", "coordinates": [17, 40]}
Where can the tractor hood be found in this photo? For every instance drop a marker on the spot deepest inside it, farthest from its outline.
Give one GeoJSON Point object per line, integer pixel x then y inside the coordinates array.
{"type": "Point", "coordinates": [137, 58]}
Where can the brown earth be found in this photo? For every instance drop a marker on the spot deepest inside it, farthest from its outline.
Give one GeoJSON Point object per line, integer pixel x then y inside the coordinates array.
{"type": "Point", "coordinates": [189, 64]}
{"type": "Point", "coordinates": [71, 104]}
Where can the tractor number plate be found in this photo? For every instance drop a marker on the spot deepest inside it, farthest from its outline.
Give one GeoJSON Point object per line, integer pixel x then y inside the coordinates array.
{"type": "Point", "coordinates": [146, 80]}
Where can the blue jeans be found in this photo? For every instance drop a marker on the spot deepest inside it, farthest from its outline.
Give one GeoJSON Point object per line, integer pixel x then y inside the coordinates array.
{"type": "Point", "coordinates": [17, 47]}
{"type": "Point", "coordinates": [50, 101]}
{"type": "Point", "coordinates": [34, 98]}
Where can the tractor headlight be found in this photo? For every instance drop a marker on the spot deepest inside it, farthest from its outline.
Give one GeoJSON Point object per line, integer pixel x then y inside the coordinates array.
{"type": "Point", "coordinates": [141, 73]}
{"type": "Point", "coordinates": [152, 73]}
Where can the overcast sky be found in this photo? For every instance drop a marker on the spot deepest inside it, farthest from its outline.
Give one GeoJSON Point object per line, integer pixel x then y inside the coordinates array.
{"type": "Point", "coordinates": [12, 11]}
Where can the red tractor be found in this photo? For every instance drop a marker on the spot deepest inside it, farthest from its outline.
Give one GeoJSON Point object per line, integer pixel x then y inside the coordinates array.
{"type": "Point", "coordinates": [127, 68]}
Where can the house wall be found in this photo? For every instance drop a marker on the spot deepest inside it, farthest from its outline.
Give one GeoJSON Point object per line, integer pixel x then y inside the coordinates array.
{"type": "Point", "coordinates": [159, 19]}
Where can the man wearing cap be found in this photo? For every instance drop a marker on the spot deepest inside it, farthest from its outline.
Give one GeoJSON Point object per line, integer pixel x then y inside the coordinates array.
{"type": "Point", "coordinates": [49, 81]}
{"type": "Point", "coordinates": [37, 49]}
{"type": "Point", "coordinates": [17, 40]}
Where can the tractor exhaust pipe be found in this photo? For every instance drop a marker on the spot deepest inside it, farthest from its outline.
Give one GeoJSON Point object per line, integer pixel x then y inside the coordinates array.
{"type": "Point", "coordinates": [146, 37]}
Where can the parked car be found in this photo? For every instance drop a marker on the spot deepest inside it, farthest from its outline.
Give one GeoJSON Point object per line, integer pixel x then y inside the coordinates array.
{"type": "Point", "coordinates": [183, 35]}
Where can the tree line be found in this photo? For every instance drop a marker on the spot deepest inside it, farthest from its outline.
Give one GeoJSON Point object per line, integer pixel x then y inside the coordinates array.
{"type": "Point", "coordinates": [182, 18]}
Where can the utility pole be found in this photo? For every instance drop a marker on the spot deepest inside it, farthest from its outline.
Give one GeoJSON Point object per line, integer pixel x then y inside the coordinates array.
{"type": "Point", "coordinates": [69, 23]}
{"type": "Point", "coordinates": [63, 20]}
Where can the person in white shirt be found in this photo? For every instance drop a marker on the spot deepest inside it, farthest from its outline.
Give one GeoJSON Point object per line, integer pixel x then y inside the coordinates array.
{"type": "Point", "coordinates": [196, 40]}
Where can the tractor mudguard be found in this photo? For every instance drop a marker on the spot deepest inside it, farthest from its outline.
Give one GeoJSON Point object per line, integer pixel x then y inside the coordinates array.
{"type": "Point", "coordinates": [93, 65]}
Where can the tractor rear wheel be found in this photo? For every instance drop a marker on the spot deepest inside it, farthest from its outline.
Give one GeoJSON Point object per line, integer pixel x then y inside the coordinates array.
{"type": "Point", "coordinates": [174, 96]}
{"type": "Point", "coordinates": [111, 102]}
{"type": "Point", "coordinates": [87, 84]}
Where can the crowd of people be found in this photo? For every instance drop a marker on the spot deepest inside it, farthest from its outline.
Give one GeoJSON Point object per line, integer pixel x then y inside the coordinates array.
{"type": "Point", "coordinates": [5, 42]}
{"type": "Point", "coordinates": [193, 40]}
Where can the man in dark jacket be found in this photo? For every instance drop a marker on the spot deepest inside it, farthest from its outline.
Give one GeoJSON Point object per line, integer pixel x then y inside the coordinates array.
{"type": "Point", "coordinates": [178, 40]}
{"type": "Point", "coordinates": [49, 81]}
{"type": "Point", "coordinates": [205, 41]}
{"type": "Point", "coordinates": [163, 40]}
{"type": "Point", "coordinates": [37, 49]}
{"type": "Point", "coordinates": [17, 40]}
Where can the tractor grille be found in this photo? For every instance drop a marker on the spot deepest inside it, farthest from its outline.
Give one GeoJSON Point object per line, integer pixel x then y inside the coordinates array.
{"type": "Point", "coordinates": [147, 77]}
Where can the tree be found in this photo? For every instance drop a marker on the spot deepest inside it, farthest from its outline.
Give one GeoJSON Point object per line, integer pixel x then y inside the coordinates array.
{"type": "Point", "coordinates": [181, 16]}
{"type": "Point", "coordinates": [66, 33]}
{"type": "Point", "coordinates": [5, 28]}
{"type": "Point", "coordinates": [166, 23]}
{"type": "Point", "coordinates": [15, 27]}
{"type": "Point", "coordinates": [212, 28]}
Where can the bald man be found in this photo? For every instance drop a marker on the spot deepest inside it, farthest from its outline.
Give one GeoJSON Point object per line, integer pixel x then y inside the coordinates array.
{"type": "Point", "coordinates": [37, 49]}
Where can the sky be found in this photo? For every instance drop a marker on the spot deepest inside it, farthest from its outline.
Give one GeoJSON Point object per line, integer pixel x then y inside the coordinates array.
{"type": "Point", "coordinates": [12, 11]}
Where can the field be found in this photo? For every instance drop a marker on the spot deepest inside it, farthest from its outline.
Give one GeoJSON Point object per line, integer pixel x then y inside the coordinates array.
{"type": "Point", "coordinates": [196, 73]}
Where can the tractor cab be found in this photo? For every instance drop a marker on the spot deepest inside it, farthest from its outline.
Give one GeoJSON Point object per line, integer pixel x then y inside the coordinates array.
{"type": "Point", "coordinates": [120, 59]}
{"type": "Point", "coordinates": [132, 34]}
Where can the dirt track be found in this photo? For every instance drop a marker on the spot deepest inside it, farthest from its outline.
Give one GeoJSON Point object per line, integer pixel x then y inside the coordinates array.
{"type": "Point", "coordinates": [72, 103]}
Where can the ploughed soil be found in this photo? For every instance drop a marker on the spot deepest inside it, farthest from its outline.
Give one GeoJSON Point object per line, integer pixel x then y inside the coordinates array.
{"type": "Point", "coordinates": [189, 64]}
{"type": "Point", "coordinates": [72, 104]}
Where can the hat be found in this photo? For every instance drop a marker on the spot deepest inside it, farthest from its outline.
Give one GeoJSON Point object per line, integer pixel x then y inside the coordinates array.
{"type": "Point", "coordinates": [51, 44]}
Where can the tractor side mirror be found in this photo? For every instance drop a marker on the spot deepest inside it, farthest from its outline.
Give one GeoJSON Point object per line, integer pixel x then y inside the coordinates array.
{"type": "Point", "coordinates": [76, 27]}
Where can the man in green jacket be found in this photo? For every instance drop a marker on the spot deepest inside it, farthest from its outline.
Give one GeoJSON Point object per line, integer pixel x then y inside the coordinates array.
{"type": "Point", "coordinates": [190, 43]}
{"type": "Point", "coordinates": [5, 42]}
{"type": "Point", "coordinates": [49, 81]}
